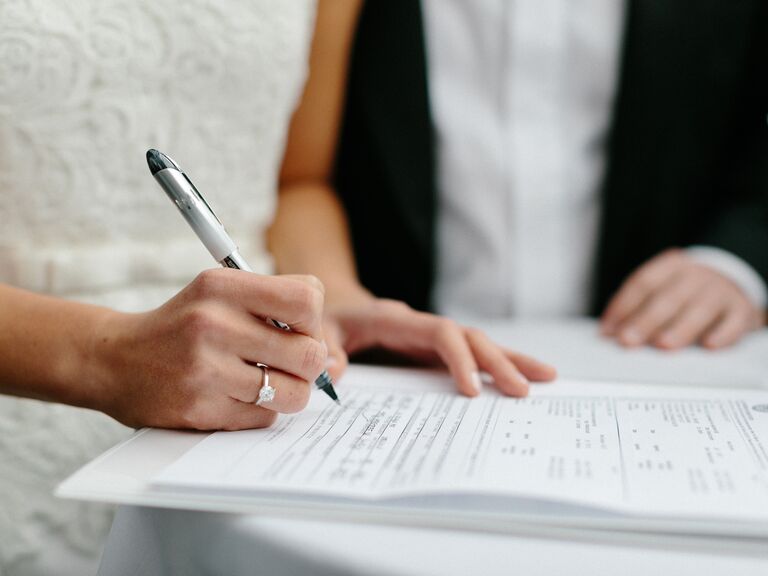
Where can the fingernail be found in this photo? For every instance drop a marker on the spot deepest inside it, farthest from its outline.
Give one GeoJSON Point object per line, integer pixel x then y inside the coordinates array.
{"type": "Point", "coordinates": [477, 381]}
{"type": "Point", "coordinates": [330, 361]}
{"type": "Point", "coordinates": [631, 336]}
{"type": "Point", "coordinates": [668, 339]}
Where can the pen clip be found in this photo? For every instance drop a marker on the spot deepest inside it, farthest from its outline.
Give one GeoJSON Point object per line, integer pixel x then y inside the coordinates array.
{"type": "Point", "coordinates": [200, 197]}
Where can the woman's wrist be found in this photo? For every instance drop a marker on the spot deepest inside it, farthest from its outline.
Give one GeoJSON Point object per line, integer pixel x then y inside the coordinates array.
{"type": "Point", "coordinates": [346, 293]}
{"type": "Point", "coordinates": [100, 376]}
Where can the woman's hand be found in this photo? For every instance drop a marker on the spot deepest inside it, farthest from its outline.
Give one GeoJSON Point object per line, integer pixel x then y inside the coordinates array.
{"type": "Point", "coordinates": [191, 363]}
{"type": "Point", "coordinates": [672, 302]}
{"type": "Point", "coordinates": [361, 322]}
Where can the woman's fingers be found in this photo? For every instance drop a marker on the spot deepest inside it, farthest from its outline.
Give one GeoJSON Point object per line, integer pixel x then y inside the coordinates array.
{"type": "Point", "coordinates": [290, 352]}
{"type": "Point", "coordinates": [291, 394]}
{"type": "Point", "coordinates": [455, 352]}
{"type": "Point", "coordinates": [225, 382]}
{"type": "Point", "coordinates": [241, 336]}
{"type": "Point", "coordinates": [188, 363]}
{"type": "Point", "coordinates": [242, 416]}
{"type": "Point", "coordinates": [495, 362]}
{"type": "Point", "coordinates": [224, 413]}
{"type": "Point", "coordinates": [534, 370]}
{"type": "Point", "coordinates": [294, 300]}
{"type": "Point", "coordinates": [402, 329]}
{"type": "Point", "coordinates": [465, 351]}
{"type": "Point", "coordinates": [425, 337]}
{"type": "Point", "coordinates": [337, 361]}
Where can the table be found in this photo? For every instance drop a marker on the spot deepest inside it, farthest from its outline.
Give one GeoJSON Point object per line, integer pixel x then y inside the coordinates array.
{"type": "Point", "coordinates": [153, 541]}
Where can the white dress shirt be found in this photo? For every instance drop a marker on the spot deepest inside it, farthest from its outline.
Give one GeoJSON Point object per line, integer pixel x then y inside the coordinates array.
{"type": "Point", "coordinates": [521, 96]}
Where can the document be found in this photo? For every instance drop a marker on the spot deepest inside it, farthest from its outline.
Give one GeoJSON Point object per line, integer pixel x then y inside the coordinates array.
{"type": "Point", "coordinates": [649, 451]}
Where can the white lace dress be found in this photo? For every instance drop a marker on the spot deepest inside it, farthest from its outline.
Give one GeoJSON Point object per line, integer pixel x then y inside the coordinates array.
{"type": "Point", "coordinates": [86, 87]}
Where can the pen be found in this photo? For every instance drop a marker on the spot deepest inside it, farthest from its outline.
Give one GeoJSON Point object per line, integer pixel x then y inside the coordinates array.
{"type": "Point", "coordinates": [210, 230]}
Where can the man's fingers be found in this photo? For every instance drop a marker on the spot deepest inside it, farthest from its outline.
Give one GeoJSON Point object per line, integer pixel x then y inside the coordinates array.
{"type": "Point", "coordinates": [493, 360]}
{"type": "Point", "coordinates": [657, 311]}
{"type": "Point", "coordinates": [688, 326]}
{"type": "Point", "coordinates": [628, 299]}
{"type": "Point", "coordinates": [637, 287]}
{"type": "Point", "coordinates": [734, 323]}
{"type": "Point", "coordinates": [672, 302]}
{"type": "Point", "coordinates": [531, 368]}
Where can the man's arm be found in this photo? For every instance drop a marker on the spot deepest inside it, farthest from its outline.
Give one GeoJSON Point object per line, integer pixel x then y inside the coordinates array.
{"type": "Point", "coordinates": [706, 296]}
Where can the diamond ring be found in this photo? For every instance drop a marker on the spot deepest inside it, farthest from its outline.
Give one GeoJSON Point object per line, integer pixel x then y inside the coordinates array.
{"type": "Point", "coordinates": [266, 392]}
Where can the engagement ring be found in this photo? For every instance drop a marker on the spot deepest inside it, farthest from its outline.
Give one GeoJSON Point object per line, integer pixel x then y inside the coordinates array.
{"type": "Point", "coordinates": [267, 392]}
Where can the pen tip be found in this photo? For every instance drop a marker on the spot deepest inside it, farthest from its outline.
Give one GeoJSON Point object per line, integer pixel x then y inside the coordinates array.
{"type": "Point", "coordinates": [338, 403]}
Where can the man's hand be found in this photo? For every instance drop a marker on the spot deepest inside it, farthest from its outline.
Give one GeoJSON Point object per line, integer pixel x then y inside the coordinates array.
{"type": "Point", "coordinates": [672, 301]}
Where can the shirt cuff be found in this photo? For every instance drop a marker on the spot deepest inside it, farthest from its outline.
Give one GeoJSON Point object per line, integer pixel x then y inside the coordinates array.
{"type": "Point", "coordinates": [735, 269]}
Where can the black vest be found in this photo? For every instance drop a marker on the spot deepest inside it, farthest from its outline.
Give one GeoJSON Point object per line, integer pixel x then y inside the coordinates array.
{"type": "Point", "coordinates": [687, 154]}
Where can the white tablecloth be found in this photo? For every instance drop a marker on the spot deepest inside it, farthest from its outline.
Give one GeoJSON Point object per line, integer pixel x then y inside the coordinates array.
{"type": "Point", "coordinates": [154, 542]}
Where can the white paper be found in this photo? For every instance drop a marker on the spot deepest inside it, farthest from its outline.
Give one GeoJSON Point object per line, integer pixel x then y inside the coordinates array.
{"type": "Point", "coordinates": [650, 451]}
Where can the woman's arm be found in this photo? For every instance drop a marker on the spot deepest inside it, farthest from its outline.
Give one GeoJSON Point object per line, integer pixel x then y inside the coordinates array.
{"type": "Point", "coordinates": [48, 348]}
{"type": "Point", "coordinates": [188, 364]}
{"type": "Point", "coordinates": [310, 230]}
{"type": "Point", "coordinates": [310, 234]}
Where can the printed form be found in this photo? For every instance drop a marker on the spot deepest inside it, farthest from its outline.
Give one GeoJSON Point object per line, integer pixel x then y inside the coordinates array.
{"type": "Point", "coordinates": [649, 450]}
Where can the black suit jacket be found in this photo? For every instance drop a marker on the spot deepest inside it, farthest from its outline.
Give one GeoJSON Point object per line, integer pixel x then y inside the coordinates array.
{"type": "Point", "coordinates": [687, 154]}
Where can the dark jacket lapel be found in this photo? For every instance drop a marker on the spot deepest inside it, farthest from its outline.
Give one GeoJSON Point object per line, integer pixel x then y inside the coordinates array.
{"type": "Point", "coordinates": [385, 167]}
{"type": "Point", "coordinates": [689, 118]}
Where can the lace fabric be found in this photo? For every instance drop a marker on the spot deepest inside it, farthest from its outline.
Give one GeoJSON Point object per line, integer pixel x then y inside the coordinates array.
{"type": "Point", "coordinates": [86, 86]}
